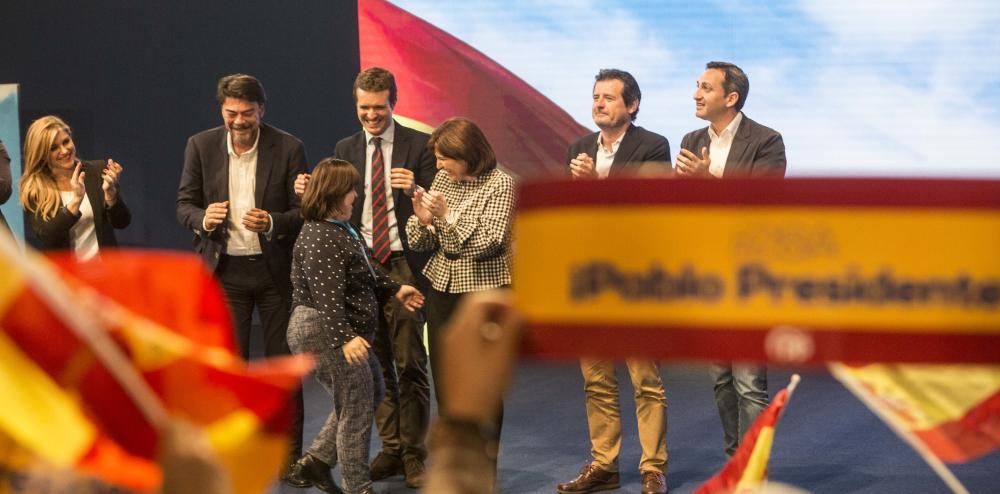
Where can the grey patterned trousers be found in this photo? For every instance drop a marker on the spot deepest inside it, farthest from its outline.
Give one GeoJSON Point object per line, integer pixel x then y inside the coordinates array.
{"type": "Point", "coordinates": [356, 389]}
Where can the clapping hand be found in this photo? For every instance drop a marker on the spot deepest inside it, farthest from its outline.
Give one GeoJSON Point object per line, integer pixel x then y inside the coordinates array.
{"type": "Point", "coordinates": [109, 181]}
{"type": "Point", "coordinates": [436, 203]}
{"type": "Point", "coordinates": [582, 167]}
{"type": "Point", "coordinates": [690, 165]}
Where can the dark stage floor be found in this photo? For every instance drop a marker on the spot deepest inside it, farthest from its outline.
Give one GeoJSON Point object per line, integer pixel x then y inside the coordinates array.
{"type": "Point", "coordinates": [827, 441]}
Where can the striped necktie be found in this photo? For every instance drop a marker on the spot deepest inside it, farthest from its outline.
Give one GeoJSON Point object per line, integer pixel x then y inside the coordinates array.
{"type": "Point", "coordinates": [380, 208]}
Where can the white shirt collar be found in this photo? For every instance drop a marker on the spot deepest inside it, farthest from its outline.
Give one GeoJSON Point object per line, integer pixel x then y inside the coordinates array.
{"type": "Point", "coordinates": [729, 131]}
{"type": "Point", "coordinates": [232, 152]}
{"type": "Point", "coordinates": [614, 145]}
{"type": "Point", "coordinates": [387, 136]}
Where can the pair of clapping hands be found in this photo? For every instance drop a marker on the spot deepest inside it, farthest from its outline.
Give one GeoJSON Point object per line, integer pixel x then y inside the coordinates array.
{"type": "Point", "coordinates": [109, 184]}
{"type": "Point", "coordinates": [426, 204]}
{"type": "Point", "coordinates": [688, 165]}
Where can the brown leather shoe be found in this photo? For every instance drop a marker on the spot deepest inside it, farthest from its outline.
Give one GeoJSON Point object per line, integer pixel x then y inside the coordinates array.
{"type": "Point", "coordinates": [413, 472]}
{"type": "Point", "coordinates": [386, 465]}
{"type": "Point", "coordinates": [654, 482]}
{"type": "Point", "coordinates": [592, 478]}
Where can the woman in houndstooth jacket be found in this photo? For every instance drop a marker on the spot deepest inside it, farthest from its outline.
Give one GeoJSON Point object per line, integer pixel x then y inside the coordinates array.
{"type": "Point", "coordinates": [465, 219]}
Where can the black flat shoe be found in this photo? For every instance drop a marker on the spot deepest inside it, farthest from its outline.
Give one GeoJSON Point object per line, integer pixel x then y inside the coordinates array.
{"type": "Point", "coordinates": [310, 472]}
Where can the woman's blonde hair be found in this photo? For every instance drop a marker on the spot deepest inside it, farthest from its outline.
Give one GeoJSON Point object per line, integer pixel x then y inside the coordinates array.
{"type": "Point", "coordinates": [39, 194]}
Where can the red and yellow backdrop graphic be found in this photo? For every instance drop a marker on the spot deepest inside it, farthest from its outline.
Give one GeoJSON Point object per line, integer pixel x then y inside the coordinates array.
{"type": "Point", "coordinates": [440, 76]}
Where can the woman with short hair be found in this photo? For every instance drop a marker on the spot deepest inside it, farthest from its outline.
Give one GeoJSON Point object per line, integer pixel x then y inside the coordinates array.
{"type": "Point", "coordinates": [336, 300]}
{"type": "Point", "coordinates": [465, 219]}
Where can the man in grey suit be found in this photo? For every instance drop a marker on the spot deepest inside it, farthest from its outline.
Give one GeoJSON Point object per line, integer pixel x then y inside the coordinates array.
{"type": "Point", "coordinates": [619, 149]}
{"type": "Point", "coordinates": [236, 196]}
{"type": "Point", "coordinates": [731, 146]}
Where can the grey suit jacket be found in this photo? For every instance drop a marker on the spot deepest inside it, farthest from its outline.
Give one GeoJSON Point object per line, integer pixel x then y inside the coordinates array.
{"type": "Point", "coordinates": [757, 151]}
{"type": "Point", "coordinates": [409, 150]}
{"type": "Point", "coordinates": [205, 180]}
{"type": "Point", "coordinates": [639, 146]}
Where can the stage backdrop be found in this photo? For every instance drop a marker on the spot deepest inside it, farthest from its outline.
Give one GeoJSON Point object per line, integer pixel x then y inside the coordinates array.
{"type": "Point", "coordinates": [10, 135]}
{"type": "Point", "coordinates": [136, 79]}
{"type": "Point", "coordinates": [857, 88]}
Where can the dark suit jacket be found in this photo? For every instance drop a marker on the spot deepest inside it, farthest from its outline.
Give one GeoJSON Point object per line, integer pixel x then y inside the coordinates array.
{"type": "Point", "coordinates": [6, 184]}
{"type": "Point", "coordinates": [757, 151]}
{"type": "Point", "coordinates": [54, 233]}
{"type": "Point", "coordinates": [280, 157]}
{"type": "Point", "coordinates": [639, 147]}
{"type": "Point", "coordinates": [409, 150]}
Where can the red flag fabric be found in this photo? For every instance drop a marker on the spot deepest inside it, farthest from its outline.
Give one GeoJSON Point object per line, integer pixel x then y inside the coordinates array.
{"type": "Point", "coordinates": [439, 76]}
{"type": "Point", "coordinates": [178, 294]}
{"type": "Point", "coordinates": [244, 412]}
{"type": "Point", "coordinates": [747, 469]}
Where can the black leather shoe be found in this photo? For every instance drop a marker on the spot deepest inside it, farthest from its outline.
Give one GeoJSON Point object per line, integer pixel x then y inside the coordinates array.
{"type": "Point", "coordinates": [592, 478]}
{"type": "Point", "coordinates": [654, 482]}
{"type": "Point", "coordinates": [386, 465]}
{"type": "Point", "coordinates": [310, 472]}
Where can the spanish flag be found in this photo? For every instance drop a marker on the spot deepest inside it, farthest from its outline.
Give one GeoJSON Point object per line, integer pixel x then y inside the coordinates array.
{"type": "Point", "coordinates": [116, 379]}
{"type": "Point", "coordinates": [947, 413]}
{"type": "Point", "coordinates": [747, 469]}
{"type": "Point", "coordinates": [439, 76]}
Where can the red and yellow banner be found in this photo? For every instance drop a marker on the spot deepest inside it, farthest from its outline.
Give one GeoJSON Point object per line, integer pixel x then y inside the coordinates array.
{"type": "Point", "coordinates": [793, 271]}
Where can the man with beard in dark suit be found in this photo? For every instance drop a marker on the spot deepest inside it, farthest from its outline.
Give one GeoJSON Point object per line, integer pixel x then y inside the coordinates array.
{"type": "Point", "coordinates": [619, 149]}
{"type": "Point", "coordinates": [236, 195]}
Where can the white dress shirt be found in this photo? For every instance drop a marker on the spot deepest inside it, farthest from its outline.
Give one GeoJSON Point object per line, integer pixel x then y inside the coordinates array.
{"type": "Point", "coordinates": [366, 213]}
{"type": "Point", "coordinates": [83, 234]}
{"type": "Point", "coordinates": [718, 151]}
{"type": "Point", "coordinates": [242, 184]}
{"type": "Point", "coordinates": [605, 156]}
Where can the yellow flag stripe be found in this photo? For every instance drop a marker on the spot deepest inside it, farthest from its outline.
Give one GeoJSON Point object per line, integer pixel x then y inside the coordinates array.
{"type": "Point", "coordinates": [250, 455]}
{"type": "Point", "coordinates": [926, 396]}
{"type": "Point", "coordinates": [37, 413]}
{"type": "Point", "coordinates": [11, 283]}
{"type": "Point", "coordinates": [756, 469]}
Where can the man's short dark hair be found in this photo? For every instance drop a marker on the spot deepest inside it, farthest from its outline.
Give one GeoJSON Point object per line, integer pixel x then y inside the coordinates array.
{"type": "Point", "coordinates": [374, 80]}
{"type": "Point", "coordinates": [630, 89]}
{"type": "Point", "coordinates": [241, 86]}
{"type": "Point", "coordinates": [735, 81]}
